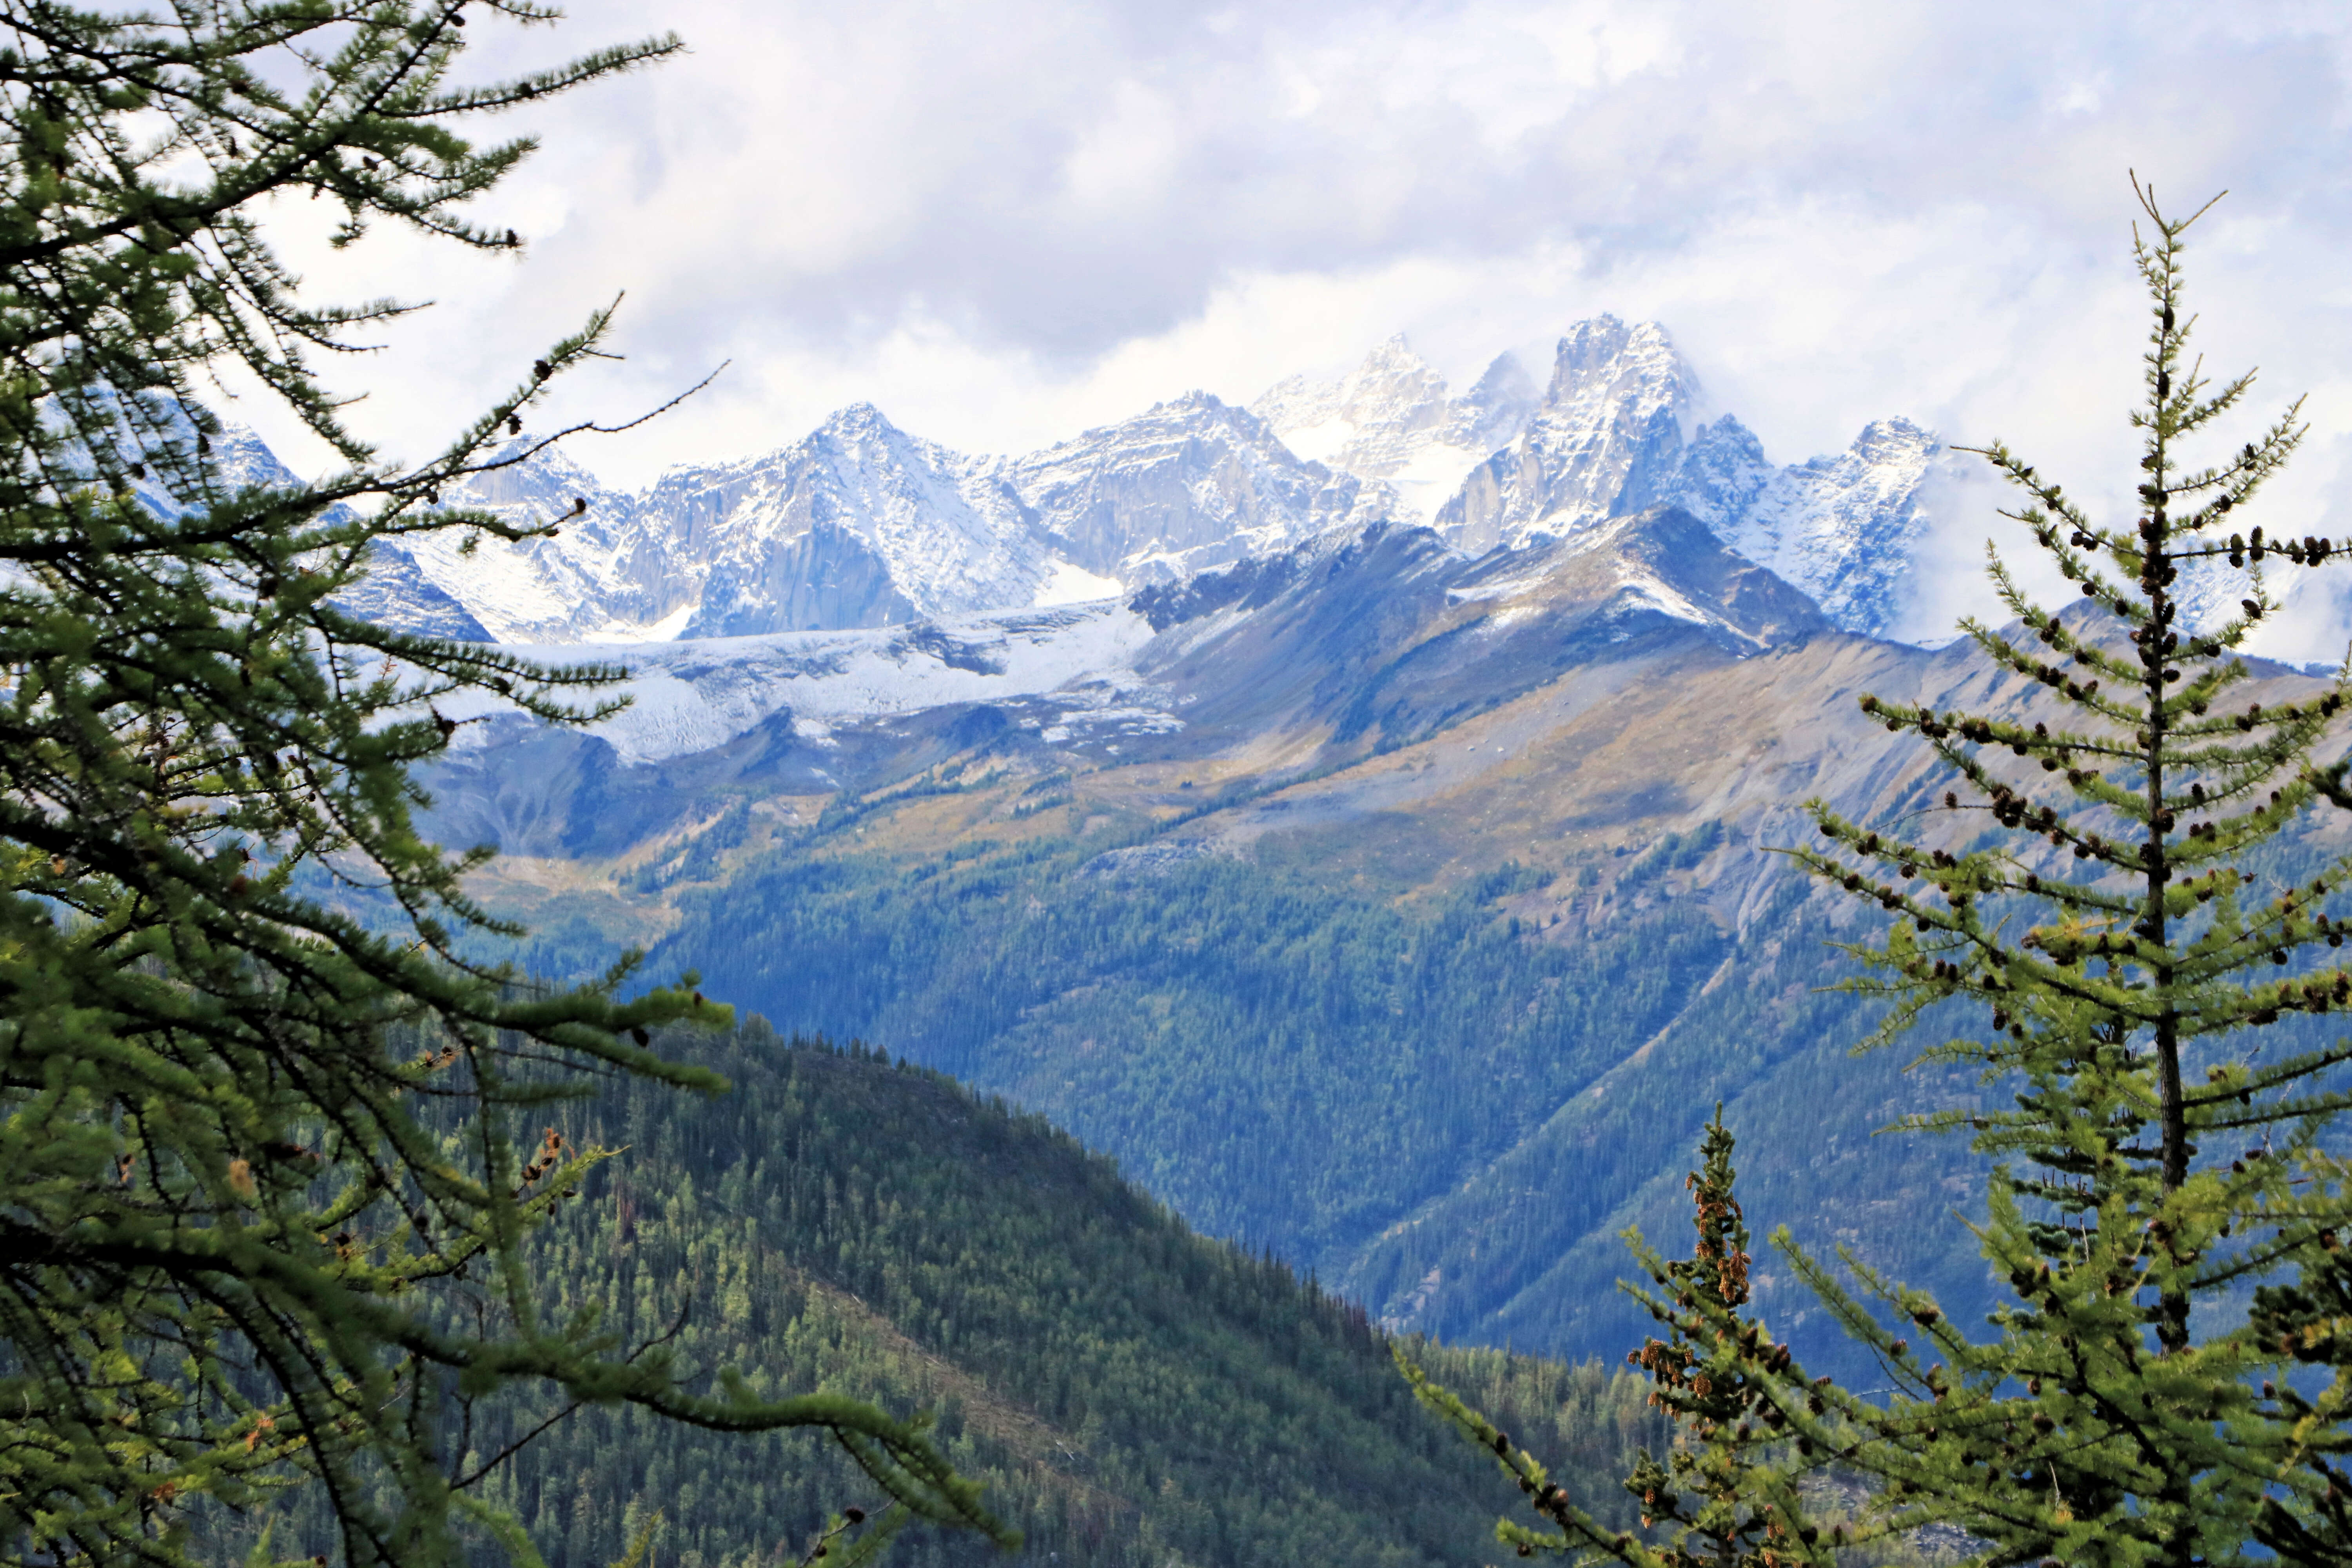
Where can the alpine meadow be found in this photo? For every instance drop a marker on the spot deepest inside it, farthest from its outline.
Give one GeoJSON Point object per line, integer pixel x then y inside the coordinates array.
{"type": "Point", "coordinates": [700, 978]}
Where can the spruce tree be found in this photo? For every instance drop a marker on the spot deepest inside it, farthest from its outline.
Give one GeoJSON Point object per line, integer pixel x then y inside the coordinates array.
{"type": "Point", "coordinates": [1726, 1493]}
{"type": "Point", "coordinates": [267, 1171]}
{"type": "Point", "coordinates": [2168, 1158]}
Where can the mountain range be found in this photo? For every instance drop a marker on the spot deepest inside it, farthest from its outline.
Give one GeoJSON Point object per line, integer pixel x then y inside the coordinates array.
{"type": "Point", "coordinates": [1401, 910]}
{"type": "Point", "coordinates": [861, 525]}
{"type": "Point", "coordinates": [1396, 891]}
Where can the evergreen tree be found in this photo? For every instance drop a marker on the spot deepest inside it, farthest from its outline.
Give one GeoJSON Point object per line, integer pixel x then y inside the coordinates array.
{"type": "Point", "coordinates": [1725, 1491]}
{"type": "Point", "coordinates": [2122, 1412]}
{"type": "Point", "coordinates": [2169, 1159]}
{"type": "Point", "coordinates": [266, 1174]}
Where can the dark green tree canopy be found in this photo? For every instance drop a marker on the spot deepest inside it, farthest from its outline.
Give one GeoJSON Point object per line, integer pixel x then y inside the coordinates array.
{"type": "Point", "coordinates": [266, 1171]}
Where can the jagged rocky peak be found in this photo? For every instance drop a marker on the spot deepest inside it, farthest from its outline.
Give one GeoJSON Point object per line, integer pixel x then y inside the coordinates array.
{"type": "Point", "coordinates": [1723, 473]}
{"type": "Point", "coordinates": [1842, 527]}
{"type": "Point", "coordinates": [1391, 418]}
{"type": "Point", "coordinates": [1189, 484]}
{"type": "Point", "coordinates": [1606, 439]}
{"type": "Point", "coordinates": [858, 524]}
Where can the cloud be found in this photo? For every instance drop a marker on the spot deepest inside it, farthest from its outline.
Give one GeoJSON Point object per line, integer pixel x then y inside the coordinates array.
{"type": "Point", "coordinates": [1005, 222]}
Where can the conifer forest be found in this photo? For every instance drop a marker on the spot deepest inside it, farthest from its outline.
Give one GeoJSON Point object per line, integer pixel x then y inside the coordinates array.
{"type": "Point", "coordinates": [1379, 977]}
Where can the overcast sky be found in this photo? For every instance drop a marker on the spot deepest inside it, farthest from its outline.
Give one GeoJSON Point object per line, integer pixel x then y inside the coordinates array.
{"type": "Point", "coordinates": [1004, 223]}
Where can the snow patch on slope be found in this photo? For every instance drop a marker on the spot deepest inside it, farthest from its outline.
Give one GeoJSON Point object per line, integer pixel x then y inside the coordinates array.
{"type": "Point", "coordinates": [1073, 584]}
{"type": "Point", "coordinates": [688, 697]}
{"type": "Point", "coordinates": [1391, 418]}
{"type": "Point", "coordinates": [1845, 527]}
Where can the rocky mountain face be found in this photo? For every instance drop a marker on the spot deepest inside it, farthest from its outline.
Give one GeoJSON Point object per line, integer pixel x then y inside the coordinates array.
{"type": "Point", "coordinates": [1842, 528]}
{"type": "Point", "coordinates": [1606, 439]}
{"type": "Point", "coordinates": [1187, 487]}
{"type": "Point", "coordinates": [860, 524]}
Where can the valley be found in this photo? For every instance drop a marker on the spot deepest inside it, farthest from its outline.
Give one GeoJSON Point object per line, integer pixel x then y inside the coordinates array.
{"type": "Point", "coordinates": [1391, 886]}
{"type": "Point", "coordinates": [1409, 919]}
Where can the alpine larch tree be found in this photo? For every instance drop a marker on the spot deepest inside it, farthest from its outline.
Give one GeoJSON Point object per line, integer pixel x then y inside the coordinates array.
{"type": "Point", "coordinates": [2166, 1379]}
{"type": "Point", "coordinates": [256, 1152]}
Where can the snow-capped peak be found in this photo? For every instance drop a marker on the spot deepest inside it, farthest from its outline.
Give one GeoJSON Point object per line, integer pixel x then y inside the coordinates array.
{"type": "Point", "coordinates": [1391, 418]}
{"type": "Point", "coordinates": [1189, 484]}
{"type": "Point", "coordinates": [861, 525]}
{"type": "Point", "coordinates": [1607, 439]}
{"type": "Point", "coordinates": [857, 524]}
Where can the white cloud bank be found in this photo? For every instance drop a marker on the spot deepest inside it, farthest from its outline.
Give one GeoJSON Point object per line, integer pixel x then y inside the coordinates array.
{"type": "Point", "coordinates": [1004, 223]}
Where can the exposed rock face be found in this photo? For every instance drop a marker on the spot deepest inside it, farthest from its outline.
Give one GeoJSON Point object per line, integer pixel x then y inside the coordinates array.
{"type": "Point", "coordinates": [1607, 440]}
{"type": "Point", "coordinates": [1191, 485]}
{"type": "Point", "coordinates": [857, 524]}
{"type": "Point", "coordinates": [1387, 637]}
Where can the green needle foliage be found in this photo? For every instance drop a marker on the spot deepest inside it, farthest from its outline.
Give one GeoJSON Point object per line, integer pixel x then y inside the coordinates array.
{"type": "Point", "coordinates": [2124, 1411]}
{"type": "Point", "coordinates": [1723, 1494]}
{"type": "Point", "coordinates": [265, 1176]}
{"type": "Point", "coordinates": [2170, 1160]}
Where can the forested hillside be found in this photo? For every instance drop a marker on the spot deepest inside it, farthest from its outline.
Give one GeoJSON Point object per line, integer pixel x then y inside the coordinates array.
{"type": "Point", "coordinates": [1129, 1390]}
{"type": "Point", "coordinates": [1447, 1106]}
{"type": "Point", "coordinates": [1446, 1113]}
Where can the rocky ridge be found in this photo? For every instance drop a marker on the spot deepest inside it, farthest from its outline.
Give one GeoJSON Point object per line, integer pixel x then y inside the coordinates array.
{"type": "Point", "coordinates": [1189, 486]}
{"type": "Point", "coordinates": [862, 525]}
{"type": "Point", "coordinates": [1391, 419]}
